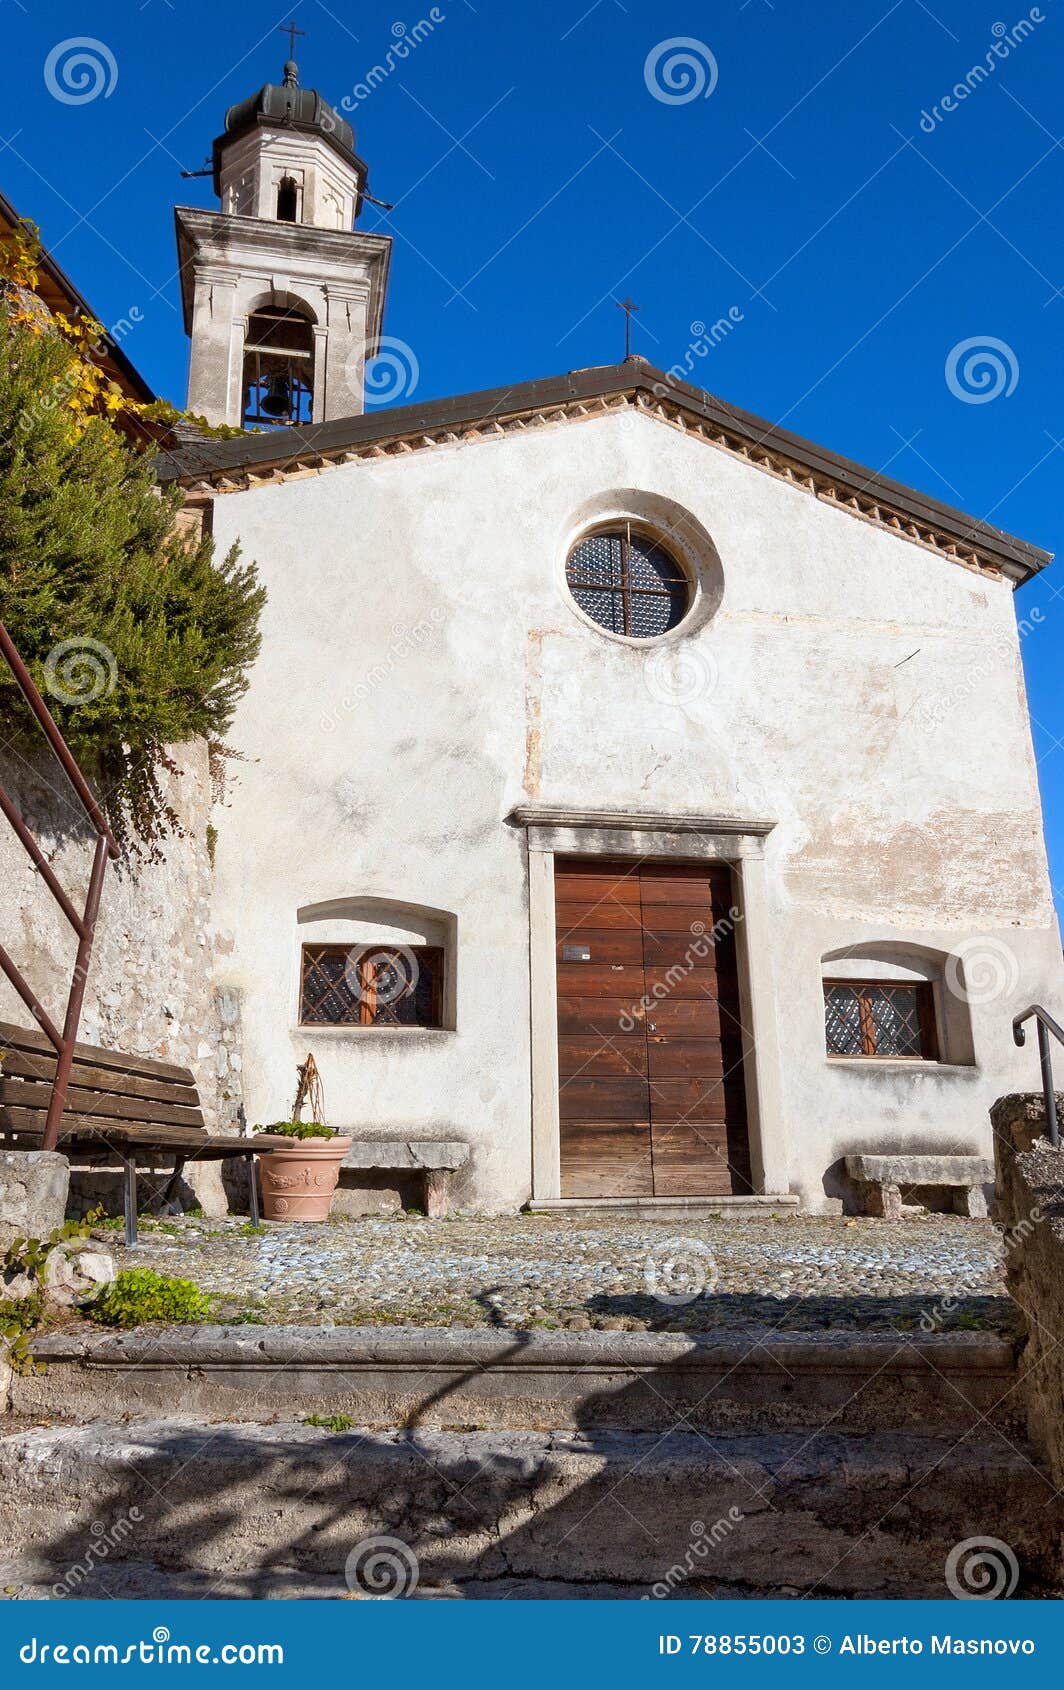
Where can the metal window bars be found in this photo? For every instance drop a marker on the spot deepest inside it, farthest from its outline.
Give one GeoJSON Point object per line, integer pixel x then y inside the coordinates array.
{"type": "Point", "coordinates": [628, 583]}
{"type": "Point", "coordinates": [1046, 1026]}
{"type": "Point", "coordinates": [84, 924]}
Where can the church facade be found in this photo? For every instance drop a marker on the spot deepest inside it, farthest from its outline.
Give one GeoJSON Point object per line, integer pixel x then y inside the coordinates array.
{"type": "Point", "coordinates": [629, 788]}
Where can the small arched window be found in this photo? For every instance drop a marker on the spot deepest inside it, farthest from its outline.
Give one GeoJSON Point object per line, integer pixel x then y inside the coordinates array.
{"type": "Point", "coordinates": [288, 200]}
{"type": "Point", "coordinates": [889, 999]}
{"type": "Point", "coordinates": [278, 368]}
{"type": "Point", "coordinates": [628, 582]}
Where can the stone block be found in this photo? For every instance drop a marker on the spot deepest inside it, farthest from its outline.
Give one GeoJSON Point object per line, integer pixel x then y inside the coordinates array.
{"type": "Point", "coordinates": [921, 1170]}
{"type": "Point", "coordinates": [33, 1193]}
{"type": "Point", "coordinates": [1030, 1210]}
{"type": "Point", "coordinates": [72, 1272]}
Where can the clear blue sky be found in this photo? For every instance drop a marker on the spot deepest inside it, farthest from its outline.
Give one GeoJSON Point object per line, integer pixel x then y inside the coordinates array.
{"type": "Point", "coordinates": [537, 178]}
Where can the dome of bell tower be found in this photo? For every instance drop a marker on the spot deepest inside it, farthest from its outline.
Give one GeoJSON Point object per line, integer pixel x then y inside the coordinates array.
{"type": "Point", "coordinates": [286, 153]}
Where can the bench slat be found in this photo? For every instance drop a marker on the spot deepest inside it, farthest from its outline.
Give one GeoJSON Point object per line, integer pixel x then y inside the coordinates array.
{"type": "Point", "coordinates": [27, 1065]}
{"type": "Point", "coordinates": [29, 1123]}
{"type": "Point", "coordinates": [83, 1104]}
{"type": "Point", "coordinates": [106, 1139]}
{"type": "Point", "coordinates": [142, 1067]}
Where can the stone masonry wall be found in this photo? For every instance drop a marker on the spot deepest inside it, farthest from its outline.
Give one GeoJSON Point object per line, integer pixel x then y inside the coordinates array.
{"type": "Point", "coordinates": [150, 989]}
{"type": "Point", "coordinates": [1030, 1207]}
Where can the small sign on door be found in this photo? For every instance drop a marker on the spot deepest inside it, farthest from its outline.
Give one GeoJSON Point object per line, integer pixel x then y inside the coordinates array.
{"type": "Point", "coordinates": [576, 953]}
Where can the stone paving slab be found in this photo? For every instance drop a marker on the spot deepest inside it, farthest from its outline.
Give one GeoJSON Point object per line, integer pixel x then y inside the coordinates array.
{"type": "Point", "coordinates": [930, 1273]}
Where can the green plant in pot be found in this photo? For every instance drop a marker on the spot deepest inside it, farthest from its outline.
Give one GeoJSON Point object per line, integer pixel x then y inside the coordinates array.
{"type": "Point", "coordinates": [300, 1176]}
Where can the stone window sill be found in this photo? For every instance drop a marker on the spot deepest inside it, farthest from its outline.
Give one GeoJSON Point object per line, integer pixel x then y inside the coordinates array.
{"type": "Point", "coordinates": [310, 1031]}
{"type": "Point", "coordinates": [901, 1064]}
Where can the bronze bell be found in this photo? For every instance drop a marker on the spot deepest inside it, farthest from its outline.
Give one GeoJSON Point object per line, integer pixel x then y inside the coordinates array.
{"type": "Point", "coordinates": [278, 399]}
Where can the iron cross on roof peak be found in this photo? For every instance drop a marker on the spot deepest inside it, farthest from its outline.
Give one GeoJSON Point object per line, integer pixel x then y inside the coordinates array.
{"type": "Point", "coordinates": [627, 305]}
{"type": "Point", "coordinates": [291, 31]}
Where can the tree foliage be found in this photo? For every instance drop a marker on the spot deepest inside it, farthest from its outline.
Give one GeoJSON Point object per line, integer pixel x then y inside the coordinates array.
{"type": "Point", "coordinates": [137, 637]}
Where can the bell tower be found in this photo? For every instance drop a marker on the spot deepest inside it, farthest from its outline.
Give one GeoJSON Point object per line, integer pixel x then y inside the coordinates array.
{"type": "Point", "coordinates": [283, 297]}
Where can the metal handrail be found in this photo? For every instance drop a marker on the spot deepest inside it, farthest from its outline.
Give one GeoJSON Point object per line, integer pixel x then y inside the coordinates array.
{"type": "Point", "coordinates": [1046, 1025]}
{"type": "Point", "coordinates": [84, 925]}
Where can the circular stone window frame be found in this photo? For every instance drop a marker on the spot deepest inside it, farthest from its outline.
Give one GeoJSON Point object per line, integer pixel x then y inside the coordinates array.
{"type": "Point", "coordinates": [668, 525]}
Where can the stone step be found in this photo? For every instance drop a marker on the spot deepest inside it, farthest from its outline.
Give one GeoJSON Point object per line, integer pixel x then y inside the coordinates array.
{"type": "Point", "coordinates": [890, 1515]}
{"type": "Point", "coordinates": [669, 1208]}
{"type": "Point", "coordinates": [756, 1380]}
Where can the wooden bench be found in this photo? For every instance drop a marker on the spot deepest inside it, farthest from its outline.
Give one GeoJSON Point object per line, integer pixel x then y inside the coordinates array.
{"type": "Point", "coordinates": [884, 1178]}
{"type": "Point", "coordinates": [117, 1106]}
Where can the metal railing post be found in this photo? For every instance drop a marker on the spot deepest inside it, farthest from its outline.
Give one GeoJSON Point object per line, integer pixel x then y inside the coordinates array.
{"type": "Point", "coordinates": [1046, 1026]}
{"type": "Point", "coordinates": [1045, 1059]}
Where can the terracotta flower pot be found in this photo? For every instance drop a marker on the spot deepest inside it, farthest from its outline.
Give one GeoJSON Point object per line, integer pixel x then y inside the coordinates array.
{"type": "Point", "coordinates": [298, 1181]}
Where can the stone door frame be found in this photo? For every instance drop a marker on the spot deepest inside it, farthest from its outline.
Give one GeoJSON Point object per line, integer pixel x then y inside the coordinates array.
{"type": "Point", "coordinates": [654, 837]}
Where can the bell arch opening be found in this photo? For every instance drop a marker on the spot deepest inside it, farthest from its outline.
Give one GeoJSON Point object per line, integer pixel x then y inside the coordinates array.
{"type": "Point", "coordinates": [278, 367]}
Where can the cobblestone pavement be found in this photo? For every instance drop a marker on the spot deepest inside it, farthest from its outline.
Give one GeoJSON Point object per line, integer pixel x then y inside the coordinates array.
{"type": "Point", "coordinates": [932, 1272]}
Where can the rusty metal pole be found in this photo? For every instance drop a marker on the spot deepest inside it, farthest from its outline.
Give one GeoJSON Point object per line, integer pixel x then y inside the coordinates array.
{"type": "Point", "coordinates": [28, 689]}
{"type": "Point", "coordinates": [84, 925]}
{"type": "Point", "coordinates": [57, 1102]}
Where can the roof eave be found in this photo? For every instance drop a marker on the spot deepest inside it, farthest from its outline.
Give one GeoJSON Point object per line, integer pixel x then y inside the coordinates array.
{"type": "Point", "coordinates": [1012, 556]}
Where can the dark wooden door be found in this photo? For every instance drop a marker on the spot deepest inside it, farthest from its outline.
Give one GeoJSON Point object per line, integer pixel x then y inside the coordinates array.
{"type": "Point", "coordinates": [651, 1091]}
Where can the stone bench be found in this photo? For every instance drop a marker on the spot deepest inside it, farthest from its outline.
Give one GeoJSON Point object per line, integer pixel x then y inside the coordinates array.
{"type": "Point", "coordinates": [436, 1159]}
{"type": "Point", "coordinates": [883, 1178]}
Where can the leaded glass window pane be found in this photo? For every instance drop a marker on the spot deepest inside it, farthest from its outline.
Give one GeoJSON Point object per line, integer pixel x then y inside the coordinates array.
{"type": "Point", "coordinates": [371, 986]}
{"type": "Point", "coordinates": [628, 583]}
{"type": "Point", "coordinates": [879, 1018]}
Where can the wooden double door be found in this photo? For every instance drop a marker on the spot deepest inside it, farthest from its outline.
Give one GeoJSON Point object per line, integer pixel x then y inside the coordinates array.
{"type": "Point", "coordinates": [651, 1087]}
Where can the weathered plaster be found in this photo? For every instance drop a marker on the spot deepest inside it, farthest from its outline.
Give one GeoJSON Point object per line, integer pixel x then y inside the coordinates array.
{"type": "Point", "coordinates": [423, 672]}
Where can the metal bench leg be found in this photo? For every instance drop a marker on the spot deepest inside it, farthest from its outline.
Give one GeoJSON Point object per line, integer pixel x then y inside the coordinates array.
{"type": "Point", "coordinates": [253, 1171]}
{"type": "Point", "coordinates": [130, 1200]}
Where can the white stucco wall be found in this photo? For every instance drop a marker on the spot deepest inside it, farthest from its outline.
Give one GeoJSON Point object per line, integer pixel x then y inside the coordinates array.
{"type": "Point", "coordinates": [424, 671]}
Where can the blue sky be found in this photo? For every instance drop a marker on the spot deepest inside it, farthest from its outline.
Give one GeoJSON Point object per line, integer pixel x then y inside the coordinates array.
{"type": "Point", "coordinates": [538, 176]}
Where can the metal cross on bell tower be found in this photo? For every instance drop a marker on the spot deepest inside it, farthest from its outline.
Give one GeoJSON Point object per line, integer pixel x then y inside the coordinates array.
{"type": "Point", "coordinates": [627, 306]}
{"type": "Point", "coordinates": [291, 31]}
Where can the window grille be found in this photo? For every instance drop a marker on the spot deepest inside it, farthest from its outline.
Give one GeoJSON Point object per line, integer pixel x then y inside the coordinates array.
{"type": "Point", "coordinates": [371, 986]}
{"type": "Point", "coordinates": [878, 1018]}
{"type": "Point", "coordinates": [628, 583]}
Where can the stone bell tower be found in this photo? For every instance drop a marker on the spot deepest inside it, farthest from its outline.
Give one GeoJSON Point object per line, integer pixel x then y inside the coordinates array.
{"type": "Point", "coordinates": [283, 297]}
